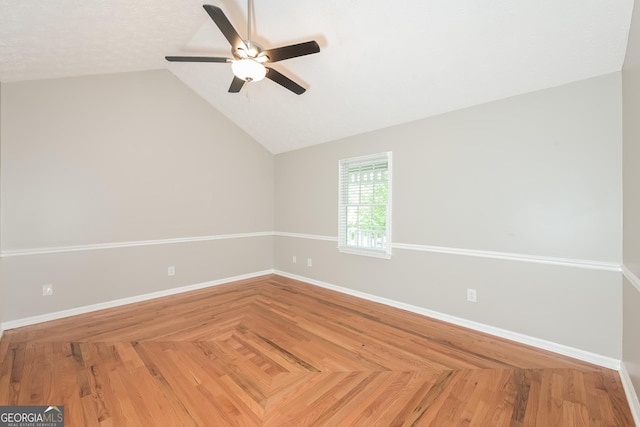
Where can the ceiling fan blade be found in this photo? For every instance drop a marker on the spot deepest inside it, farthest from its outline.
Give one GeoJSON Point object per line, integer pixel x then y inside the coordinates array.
{"type": "Point", "coordinates": [292, 51]}
{"type": "Point", "coordinates": [236, 85]}
{"type": "Point", "coordinates": [196, 59]}
{"type": "Point", "coordinates": [285, 81]}
{"type": "Point", "coordinates": [224, 25]}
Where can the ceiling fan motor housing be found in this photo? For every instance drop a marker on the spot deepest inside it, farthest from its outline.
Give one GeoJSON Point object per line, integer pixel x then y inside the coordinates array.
{"type": "Point", "coordinates": [249, 49]}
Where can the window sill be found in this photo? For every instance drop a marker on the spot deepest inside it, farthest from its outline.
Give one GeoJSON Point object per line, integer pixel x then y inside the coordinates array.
{"type": "Point", "coordinates": [364, 252]}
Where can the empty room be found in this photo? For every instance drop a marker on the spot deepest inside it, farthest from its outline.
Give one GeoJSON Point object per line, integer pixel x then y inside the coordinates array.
{"type": "Point", "coordinates": [296, 213]}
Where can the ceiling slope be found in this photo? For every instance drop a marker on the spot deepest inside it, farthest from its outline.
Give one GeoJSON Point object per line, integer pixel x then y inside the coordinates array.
{"type": "Point", "coordinates": [381, 63]}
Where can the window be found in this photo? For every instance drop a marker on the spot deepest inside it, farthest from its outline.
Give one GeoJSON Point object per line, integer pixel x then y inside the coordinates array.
{"type": "Point", "coordinates": [364, 217]}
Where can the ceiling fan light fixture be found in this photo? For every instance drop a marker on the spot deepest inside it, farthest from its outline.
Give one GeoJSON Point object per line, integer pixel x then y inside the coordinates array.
{"type": "Point", "coordinates": [248, 70]}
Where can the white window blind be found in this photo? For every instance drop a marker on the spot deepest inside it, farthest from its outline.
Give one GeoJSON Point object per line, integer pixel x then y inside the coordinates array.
{"type": "Point", "coordinates": [364, 216]}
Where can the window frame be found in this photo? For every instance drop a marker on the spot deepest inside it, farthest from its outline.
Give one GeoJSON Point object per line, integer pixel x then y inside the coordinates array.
{"type": "Point", "coordinates": [343, 247]}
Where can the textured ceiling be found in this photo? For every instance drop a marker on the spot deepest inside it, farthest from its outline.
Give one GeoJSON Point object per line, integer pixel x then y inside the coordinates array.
{"type": "Point", "coordinates": [381, 63]}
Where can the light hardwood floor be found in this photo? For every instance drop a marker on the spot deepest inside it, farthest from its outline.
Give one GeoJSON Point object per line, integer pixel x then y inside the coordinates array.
{"type": "Point", "coordinates": [272, 351]}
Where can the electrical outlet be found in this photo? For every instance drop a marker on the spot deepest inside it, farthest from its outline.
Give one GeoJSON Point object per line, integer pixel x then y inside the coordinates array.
{"type": "Point", "coordinates": [472, 295]}
{"type": "Point", "coordinates": [171, 271]}
{"type": "Point", "coordinates": [47, 290]}
{"type": "Point", "coordinates": [294, 259]}
{"type": "Point", "coordinates": [309, 262]}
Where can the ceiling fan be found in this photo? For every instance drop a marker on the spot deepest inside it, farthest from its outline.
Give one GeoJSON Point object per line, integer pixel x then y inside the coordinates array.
{"type": "Point", "coordinates": [249, 58]}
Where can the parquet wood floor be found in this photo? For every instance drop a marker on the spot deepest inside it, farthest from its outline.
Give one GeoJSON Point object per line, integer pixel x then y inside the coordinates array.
{"type": "Point", "coordinates": [272, 351]}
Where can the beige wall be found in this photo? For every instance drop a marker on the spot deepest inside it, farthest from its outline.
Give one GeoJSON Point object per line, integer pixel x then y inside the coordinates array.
{"type": "Point", "coordinates": [537, 175]}
{"type": "Point", "coordinates": [1, 285]}
{"type": "Point", "coordinates": [631, 341]}
{"type": "Point", "coordinates": [631, 168]}
{"type": "Point", "coordinates": [124, 158]}
{"type": "Point", "coordinates": [138, 156]}
{"type": "Point", "coordinates": [90, 277]}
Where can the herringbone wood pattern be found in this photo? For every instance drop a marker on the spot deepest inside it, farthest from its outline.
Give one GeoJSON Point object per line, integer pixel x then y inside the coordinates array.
{"type": "Point", "coordinates": [275, 352]}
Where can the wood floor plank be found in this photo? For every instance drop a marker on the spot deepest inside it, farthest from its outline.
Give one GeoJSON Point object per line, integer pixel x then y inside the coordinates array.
{"type": "Point", "coordinates": [272, 351]}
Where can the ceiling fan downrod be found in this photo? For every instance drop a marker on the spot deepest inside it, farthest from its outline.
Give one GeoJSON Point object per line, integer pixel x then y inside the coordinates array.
{"type": "Point", "coordinates": [249, 13]}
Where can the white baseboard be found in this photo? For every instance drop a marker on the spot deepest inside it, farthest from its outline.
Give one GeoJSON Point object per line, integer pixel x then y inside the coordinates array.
{"type": "Point", "coordinates": [124, 301]}
{"type": "Point", "coordinates": [586, 356]}
{"type": "Point", "coordinates": [632, 396]}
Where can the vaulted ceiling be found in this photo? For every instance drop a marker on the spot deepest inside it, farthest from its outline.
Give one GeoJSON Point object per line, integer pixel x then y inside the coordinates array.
{"type": "Point", "coordinates": [381, 63]}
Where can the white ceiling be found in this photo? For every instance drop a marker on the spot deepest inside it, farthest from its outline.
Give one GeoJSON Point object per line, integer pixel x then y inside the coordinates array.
{"type": "Point", "coordinates": [381, 62]}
